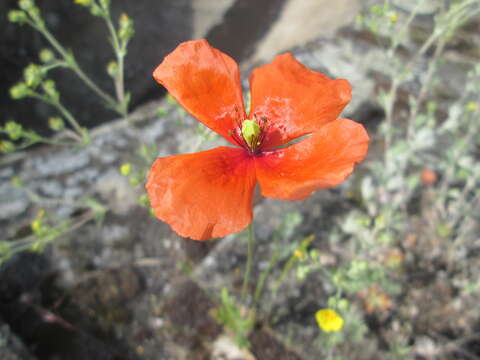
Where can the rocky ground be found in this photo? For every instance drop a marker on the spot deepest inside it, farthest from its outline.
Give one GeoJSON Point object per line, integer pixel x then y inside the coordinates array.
{"type": "Point", "coordinates": [128, 287]}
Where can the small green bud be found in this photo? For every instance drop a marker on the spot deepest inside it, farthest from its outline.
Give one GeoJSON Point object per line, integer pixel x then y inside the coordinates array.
{"type": "Point", "coordinates": [134, 181]}
{"type": "Point", "coordinates": [95, 10]}
{"type": "Point", "coordinates": [46, 56]}
{"type": "Point", "coordinates": [19, 91]}
{"type": "Point", "coordinates": [56, 123]}
{"type": "Point", "coordinates": [13, 130]}
{"type": "Point", "coordinates": [33, 75]}
{"type": "Point", "coordinates": [50, 90]}
{"type": "Point", "coordinates": [17, 16]}
{"type": "Point", "coordinates": [250, 132]}
{"type": "Point", "coordinates": [143, 200]}
{"type": "Point", "coordinates": [126, 30]}
{"type": "Point", "coordinates": [26, 4]}
{"type": "Point", "coordinates": [112, 68]}
{"type": "Point", "coordinates": [6, 147]}
{"type": "Point", "coordinates": [83, 2]}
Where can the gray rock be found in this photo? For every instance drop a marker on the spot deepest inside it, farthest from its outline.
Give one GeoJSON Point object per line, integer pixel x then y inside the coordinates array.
{"type": "Point", "coordinates": [115, 189]}
{"type": "Point", "coordinates": [59, 163]}
{"type": "Point", "coordinates": [11, 347]}
{"type": "Point", "coordinates": [13, 201]}
{"type": "Point", "coordinates": [6, 173]}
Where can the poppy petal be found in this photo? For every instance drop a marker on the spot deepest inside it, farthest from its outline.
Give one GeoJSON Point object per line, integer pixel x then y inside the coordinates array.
{"type": "Point", "coordinates": [206, 82]}
{"type": "Point", "coordinates": [205, 194]}
{"type": "Point", "coordinates": [295, 99]}
{"type": "Point", "coordinates": [323, 160]}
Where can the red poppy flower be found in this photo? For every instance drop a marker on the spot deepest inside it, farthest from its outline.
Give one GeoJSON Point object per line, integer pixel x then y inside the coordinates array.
{"type": "Point", "coordinates": [209, 193]}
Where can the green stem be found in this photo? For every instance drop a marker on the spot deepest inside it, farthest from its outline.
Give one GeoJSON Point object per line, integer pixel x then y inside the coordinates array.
{"type": "Point", "coordinates": [119, 53]}
{"type": "Point", "coordinates": [248, 269]}
{"type": "Point", "coordinates": [264, 276]}
{"type": "Point", "coordinates": [70, 60]}
{"type": "Point", "coordinates": [82, 135]}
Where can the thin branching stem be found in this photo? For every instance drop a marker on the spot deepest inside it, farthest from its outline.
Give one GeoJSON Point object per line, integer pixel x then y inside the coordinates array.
{"type": "Point", "coordinates": [72, 63]}
{"type": "Point", "coordinates": [80, 134]}
{"type": "Point", "coordinates": [120, 54]}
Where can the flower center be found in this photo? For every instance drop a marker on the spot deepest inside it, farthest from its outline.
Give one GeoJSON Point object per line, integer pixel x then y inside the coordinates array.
{"type": "Point", "coordinates": [250, 134]}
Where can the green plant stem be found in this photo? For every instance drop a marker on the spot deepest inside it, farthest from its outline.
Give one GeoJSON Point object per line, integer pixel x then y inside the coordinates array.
{"type": "Point", "coordinates": [404, 29]}
{"type": "Point", "coordinates": [64, 228]}
{"type": "Point", "coordinates": [67, 114]}
{"type": "Point", "coordinates": [71, 62]}
{"type": "Point", "coordinates": [120, 53]}
{"type": "Point", "coordinates": [248, 269]}
{"type": "Point", "coordinates": [69, 117]}
{"type": "Point", "coordinates": [459, 15]}
{"type": "Point", "coordinates": [264, 276]}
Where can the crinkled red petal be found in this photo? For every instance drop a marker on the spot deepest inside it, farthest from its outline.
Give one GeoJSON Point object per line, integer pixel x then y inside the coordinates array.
{"type": "Point", "coordinates": [295, 99]}
{"type": "Point", "coordinates": [321, 161]}
{"type": "Point", "coordinates": [206, 82]}
{"type": "Point", "coordinates": [203, 195]}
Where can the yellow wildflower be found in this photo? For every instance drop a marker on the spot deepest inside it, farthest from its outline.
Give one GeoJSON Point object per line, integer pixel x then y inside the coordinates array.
{"type": "Point", "coordinates": [472, 106]}
{"type": "Point", "coordinates": [329, 320]}
{"type": "Point", "coordinates": [298, 254]}
{"type": "Point", "coordinates": [83, 2]}
{"type": "Point", "coordinates": [36, 225]}
{"type": "Point", "coordinates": [125, 169]}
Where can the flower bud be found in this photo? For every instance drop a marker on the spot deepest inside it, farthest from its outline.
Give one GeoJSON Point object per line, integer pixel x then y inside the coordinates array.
{"type": "Point", "coordinates": [126, 30]}
{"type": "Point", "coordinates": [112, 68]}
{"type": "Point", "coordinates": [56, 123]}
{"type": "Point", "coordinates": [17, 16]}
{"type": "Point", "coordinates": [51, 90]}
{"type": "Point", "coordinates": [33, 75]}
{"type": "Point", "coordinates": [13, 130]}
{"type": "Point", "coordinates": [46, 56]}
{"type": "Point", "coordinates": [26, 4]}
{"type": "Point", "coordinates": [19, 91]}
{"type": "Point", "coordinates": [6, 146]}
{"type": "Point", "coordinates": [83, 2]}
{"type": "Point", "coordinates": [126, 169]}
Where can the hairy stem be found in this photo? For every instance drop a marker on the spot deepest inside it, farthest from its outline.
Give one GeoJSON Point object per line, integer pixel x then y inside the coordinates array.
{"type": "Point", "coordinates": [248, 269]}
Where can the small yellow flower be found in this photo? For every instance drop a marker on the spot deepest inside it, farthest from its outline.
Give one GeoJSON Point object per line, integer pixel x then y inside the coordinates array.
{"type": "Point", "coordinates": [393, 17]}
{"type": "Point", "coordinates": [125, 169]}
{"type": "Point", "coordinates": [329, 320]}
{"type": "Point", "coordinates": [83, 2]}
{"type": "Point", "coordinates": [472, 106]}
{"type": "Point", "coordinates": [36, 225]}
{"type": "Point", "coordinates": [298, 254]}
